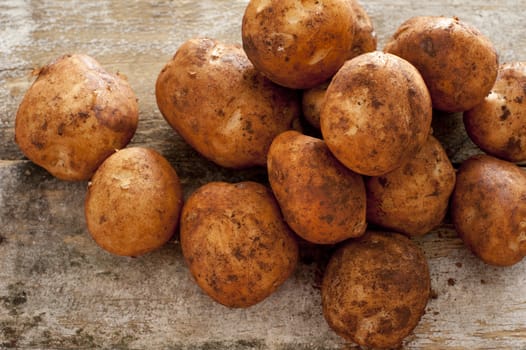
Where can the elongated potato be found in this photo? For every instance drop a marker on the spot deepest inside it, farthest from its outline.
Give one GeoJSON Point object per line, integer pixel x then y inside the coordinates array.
{"type": "Point", "coordinates": [133, 202]}
{"type": "Point", "coordinates": [74, 116]}
{"type": "Point", "coordinates": [236, 243]}
{"type": "Point", "coordinates": [370, 126]}
{"type": "Point", "coordinates": [413, 198]}
{"type": "Point", "coordinates": [321, 200]}
{"type": "Point", "coordinates": [488, 209]}
{"type": "Point", "coordinates": [210, 93]}
{"type": "Point", "coordinates": [375, 289]}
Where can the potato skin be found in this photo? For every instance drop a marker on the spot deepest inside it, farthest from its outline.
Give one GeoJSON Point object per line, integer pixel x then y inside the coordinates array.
{"type": "Point", "coordinates": [488, 209]}
{"type": "Point", "coordinates": [457, 62]}
{"type": "Point", "coordinates": [74, 116]}
{"type": "Point", "coordinates": [237, 246]}
{"type": "Point", "coordinates": [497, 125]}
{"type": "Point", "coordinates": [321, 200]}
{"type": "Point", "coordinates": [133, 202]}
{"type": "Point", "coordinates": [375, 289]}
{"type": "Point", "coordinates": [414, 198]}
{"type": "Point", "coordinates": [298, 44]}
{"type": "Point", "coordinates": [364, 35]}
{"type": "Point", "coordinates": [312, 103]}
{"type": "Point", "coordinates": [214, 98]}
{"type": "Point", "coordinates": [377, 112]}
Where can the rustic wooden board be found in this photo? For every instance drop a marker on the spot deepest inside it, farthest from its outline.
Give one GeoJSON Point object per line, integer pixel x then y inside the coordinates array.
{"type": "Point", "coordinates": [58, 290]}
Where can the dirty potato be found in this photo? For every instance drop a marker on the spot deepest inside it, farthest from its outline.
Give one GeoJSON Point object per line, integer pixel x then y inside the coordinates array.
{"type": "Point", "coordinates": [488, 209]}
{"type": "Point", "coordinates": [298, 44]}
{"type": "Point", "coordinates": [312, 102]}
{"type": "Point", "coordinates": [377, 113]}
{"type": "Point", "coordinates": [74, 116]}
{"type": "Point", "coordinates": [321, 200]}
{"type": "Point", "coordinates": [236, 243]}
{"type": "Point", "coordinates": [498, 124]}
{"type": "Point", "coordinates": [458, 63]}
{"type": "Point", "coordinates": [133, 202]}
{"type": "Point", "coordinates": [364, 35]}
{"type": "Point", "coordinates": [413, 199]}
{"type": "Point", "coordinates": [375, 289]}
{"type": "Point", "coordinates": [210, 93]}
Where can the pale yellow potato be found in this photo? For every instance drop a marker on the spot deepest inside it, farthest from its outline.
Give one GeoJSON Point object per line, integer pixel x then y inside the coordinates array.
{"type": "Point", "coordinates": [133, 202]}
{"type": "Point", "coordinates": [488, 209]}
{"type": "Point", "coordinates": [458, 63]}
{"type": "Point", "coordinates": [236, 243]}
{"type": "Point", "coordinates": [298, 44]}
{"type": "Point", "coordinates": [377, 113]}
{"type": "Point", "coordinates": [74, 116]}
{"type": "Point", "coordinates": [498, 124]}
{"type": "Point", "coordinates": [321, 200]}
{"type": "Point", "coordinates": [414, 198]}
{"type": "Point", "coordinates": [375, 289]}
{"type": "Point", "coordinates": [210, 93]}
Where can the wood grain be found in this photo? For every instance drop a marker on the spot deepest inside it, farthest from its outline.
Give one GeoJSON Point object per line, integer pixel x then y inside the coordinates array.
{"type": "Point", "coordinates": [58, 290]}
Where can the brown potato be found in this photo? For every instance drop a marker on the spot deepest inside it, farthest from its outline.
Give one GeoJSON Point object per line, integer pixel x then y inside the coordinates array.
{"type": "Point", "coordinates": [457, 62]}
{"type": "Point", "coordinates": [413, 199]}
{"type": "Point", "coordinates": [133, 202]}
{"type": "Point", "coordinates": [488, 209]}
{"type": "Point", "coordinates": [312, 103]}
{"type": "Point", "coordinates": [498, 124]}
{"type": "Point", "coordinates": [214, 98]}
{"type": "Point", "coordinates": [375, 289]}
{"type": "Point", "coordinates": [74, 116]}
{"type": "Point", "coordinates": [377, 113]}
{"type": "Point", "coordinates": [364, 34]}
{"type": "Point", "coordinates": [298, 44]}
{"type": "Point", "coordinates": [236, 243]}
{"type": "Point", "coordinates": [321, 200]}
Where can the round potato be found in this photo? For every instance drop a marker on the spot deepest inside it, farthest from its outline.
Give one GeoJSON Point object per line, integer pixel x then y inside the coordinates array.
{"type": "Point", "coordinates": [312, 103]}
{"type": "Point", "coordinates": [413, 199]}
{"type": "Point", "coordinates": [74, 116]}
{"type": "Point", "coordinates": [298, 44]}
{"type": "Point", "coordinates": [457, 62]}
{"type": "Point", "coordinates": [236, 243]}
{"type": "Point", "coordinates": [364, 34]}
{"type": "Point", "coordinates": [377, 113]}
{"type": "Point", "coordinates": [375, 289]}
{"type": "Point", "coordinates": [133, 202]}
{"type": "Point", "coordinates": [214, 98]}
{"type": "Point", "coordinates": [321, 200]}
{"type": "Point", "coordinates": [488, 209]}
{"type": "Point", "coordinates": [498, 124]}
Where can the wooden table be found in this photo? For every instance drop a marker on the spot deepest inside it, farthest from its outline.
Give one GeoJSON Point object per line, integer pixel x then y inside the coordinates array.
{"type": "Point", "coordinates": [58, 290]}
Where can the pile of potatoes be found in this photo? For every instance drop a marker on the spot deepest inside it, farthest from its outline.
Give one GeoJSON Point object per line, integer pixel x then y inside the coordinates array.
{"type": "Point", "coordinates": [368, 178]}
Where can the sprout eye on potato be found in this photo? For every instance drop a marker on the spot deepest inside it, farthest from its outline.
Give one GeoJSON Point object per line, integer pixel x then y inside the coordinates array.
{"type": "Point", "coordinates": [133, 202]}
{"type": "Point", "coordinates": [414, 198]}
{"type": "Point", "coordinates": [377, 112]}
{"type": "Point", "coordinates": [74, 116]}
{"type": "Point", "coordinates": [498, 124]}
{"type": "Point", "coordinates": [298, 44]}
{"type": "Point", "coordinates": [375, 289]}
{"type": "Point", "coordinates": [238, 248]}
{"type": "Point", "coordinates": [488, 209]}
{"type": "Point", "coordinates": [214, 98]}
{"type": "Point", "coordinates": [457, 62]}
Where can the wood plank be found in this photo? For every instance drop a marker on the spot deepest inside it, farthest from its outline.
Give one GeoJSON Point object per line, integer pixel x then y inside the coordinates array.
{"type": "Point", "coordinates": [59, 290]}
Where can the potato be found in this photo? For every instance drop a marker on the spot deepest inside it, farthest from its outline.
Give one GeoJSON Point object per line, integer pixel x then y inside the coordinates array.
{"type": "Point", "coordinates": [298, 44]}
{"type": "Point", "coordinates": [133, 202]}
{"type": "Point", "coordinates": [457, 62]}
{"type": "Point", "coordinates": [312, 103]}
{"type": "Point", "coordinates": [214, 98]}
{"type": "Point", "coordinates": [414, 198]}
{"type": "Point", "coordinates": [236, 243]}
{"type": "Point", "coordinates": [364, 34]}
{"type": "Point", "coordinates": [377, 113]}
{"type": "Point", "coordinates": [498, 124]}
{"type": "Point", "coordinates": [74, 116]}
{"type": "Point", "coordinates": [321, 200]}
{"type": "Point", "coordinates": [375, 289]}
{"type": "Point", "coordinates": [488, 209]}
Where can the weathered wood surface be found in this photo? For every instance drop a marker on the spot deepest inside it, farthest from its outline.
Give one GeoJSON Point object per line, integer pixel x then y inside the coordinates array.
{"type": "Point", "coordinates": [58, 290]}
